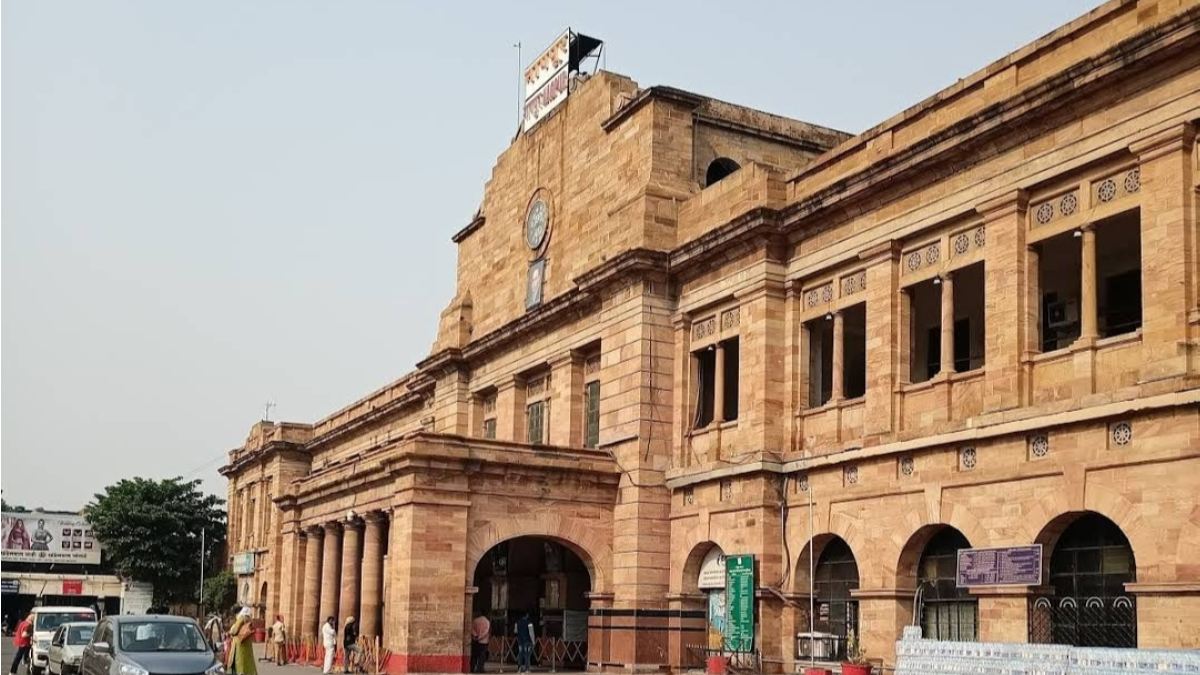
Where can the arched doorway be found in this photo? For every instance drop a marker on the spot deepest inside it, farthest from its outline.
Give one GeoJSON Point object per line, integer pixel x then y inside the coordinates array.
{"type": "Point", "coordinates": [947, 612]}
{"type": "Point", "coordinates": [1090, 563]}
{"type": "Point", "coordinates": [546, 580]}
{"type": "Point", "coordinates": [262, 601]}
{"type": "Point", "coordinates": [836, 574]}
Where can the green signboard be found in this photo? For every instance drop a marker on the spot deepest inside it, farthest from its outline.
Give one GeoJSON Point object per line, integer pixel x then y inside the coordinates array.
{"type": "Point", "coordinates": [739, 607]}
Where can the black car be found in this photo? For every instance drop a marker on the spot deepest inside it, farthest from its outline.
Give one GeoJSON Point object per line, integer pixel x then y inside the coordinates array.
{"type": "Point", "coordinates": [150, 643]}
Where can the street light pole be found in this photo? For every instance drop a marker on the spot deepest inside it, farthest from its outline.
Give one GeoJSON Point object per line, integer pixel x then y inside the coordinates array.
{"type": "Point", "coordinates": [201, 598]}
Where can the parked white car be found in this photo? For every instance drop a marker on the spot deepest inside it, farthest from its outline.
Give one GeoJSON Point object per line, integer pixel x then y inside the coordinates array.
{"type": "Point", "coordinates": [66, 647]}
{"type": "Point", "coordinates": [46, 621]}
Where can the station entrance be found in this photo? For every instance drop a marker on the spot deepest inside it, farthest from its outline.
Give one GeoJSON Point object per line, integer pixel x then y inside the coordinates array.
{"type": "Point", "coordinates": [544, 580]}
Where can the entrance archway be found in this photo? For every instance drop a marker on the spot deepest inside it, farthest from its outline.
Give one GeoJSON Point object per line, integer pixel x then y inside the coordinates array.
{"type": "Point", "coordinates": [262, 601]}
{"type": "Point", "coordinates": [541, 578]}
{"type": "Point", "coordinates": [947, 612]}
{"type": "Point", "coordinates": [1090, 562]}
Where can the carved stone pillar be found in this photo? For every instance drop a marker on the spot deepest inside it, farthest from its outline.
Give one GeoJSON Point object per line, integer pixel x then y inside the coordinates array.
{"type": "Point", "coordinates": [837, 388]}
{"type": "Point", "coordinates": [351, 566]}
{"type": "Point", "coordinates": [309, 621]}
{"type": "Point", "coordinates": [947, 340]}
{"type": "Point", "coordinates": [330, 570]}
{"type": "Point", "coordinates": [1087, 287]}
{"type": "Point", "coordinates": [372, 573]}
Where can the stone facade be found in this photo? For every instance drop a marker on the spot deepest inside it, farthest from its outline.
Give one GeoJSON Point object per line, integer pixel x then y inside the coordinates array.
{"type": "Point", "coordinates": [980, 315]}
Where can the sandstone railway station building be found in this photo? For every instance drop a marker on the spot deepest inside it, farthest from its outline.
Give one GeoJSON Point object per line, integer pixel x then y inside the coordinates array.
{"type": "Point", "coordinates": [684, 328]}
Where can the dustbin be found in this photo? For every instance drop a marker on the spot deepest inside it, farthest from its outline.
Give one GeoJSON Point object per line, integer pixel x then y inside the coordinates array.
{"type": "Point", "coordinates": [717, 665]}
{"type": "Point", "coordinates": [260, 635]}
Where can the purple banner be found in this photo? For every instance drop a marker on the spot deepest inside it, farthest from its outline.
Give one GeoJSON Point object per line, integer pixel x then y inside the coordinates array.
{"type": "Point", "coordinates": [1011, 566]}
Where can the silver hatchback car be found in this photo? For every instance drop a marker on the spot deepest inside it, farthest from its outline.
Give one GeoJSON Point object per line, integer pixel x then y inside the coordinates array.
{"type": "Point", "coordinates": [66, 647]}
{"type": "Point", "coordinates": [149, 644]}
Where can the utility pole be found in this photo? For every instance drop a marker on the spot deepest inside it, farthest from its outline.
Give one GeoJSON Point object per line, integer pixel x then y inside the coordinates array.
{"type": "Point", "coordinates": [201, 603]}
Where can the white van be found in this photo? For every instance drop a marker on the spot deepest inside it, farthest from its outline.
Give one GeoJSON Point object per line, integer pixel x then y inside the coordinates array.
{"type": "Point", "coordinates": [46, 620]}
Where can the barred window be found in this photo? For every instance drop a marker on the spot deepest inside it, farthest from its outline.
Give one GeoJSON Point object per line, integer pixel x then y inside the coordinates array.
{"type": "Point", "coordinates": [591, 407]}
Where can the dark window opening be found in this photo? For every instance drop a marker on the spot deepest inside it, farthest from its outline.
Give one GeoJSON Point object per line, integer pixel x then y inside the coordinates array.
{"type": "Point", "coordinates": [1058, 285]}
{"type": "Point", "coordinates": [719, 169]}
{"type": "Point", "coordinates": [925, 330]}
{"type": "Point", "coordinates": [947, 611]}
{"type": "Point", "coordinates": [1119, 274]}
{"type": "Point", "coordinates": [969, 317]}
{"type": "Point", "coordinates": [820, 361]}
{"type": "Point", "coordinates": [591, 408]}
{"type": "Point", "coordinates": [835, 577]}
{"type": "Point", "coordinates": [705, 363]}
{"type": "Point", "coordinates": [854, 351]}
{"type": "Point", "coordinates": [729, 398]}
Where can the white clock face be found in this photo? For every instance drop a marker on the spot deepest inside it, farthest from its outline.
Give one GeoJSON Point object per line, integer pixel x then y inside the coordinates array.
{"type": "Point", "coordinates": [535, 224]}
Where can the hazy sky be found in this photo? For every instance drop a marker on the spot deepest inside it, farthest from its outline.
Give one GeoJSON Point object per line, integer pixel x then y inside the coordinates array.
{"type": "Point", "coordinates": [207, 205]}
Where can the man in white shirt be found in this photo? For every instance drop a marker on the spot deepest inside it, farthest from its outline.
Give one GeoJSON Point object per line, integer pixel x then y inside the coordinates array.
{"type": "Point", "coordinates": [329, 641]}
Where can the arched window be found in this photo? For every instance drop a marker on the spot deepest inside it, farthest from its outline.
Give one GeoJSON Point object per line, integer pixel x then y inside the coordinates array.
{"type": "Point", "coordinates": [835, 576]}
{"type": "Point", "coordinates": [1091, 563]}
{"type": "Point", "coordinates": [719, 169]}
{"type": "Point", "coordinates": [947, 612]}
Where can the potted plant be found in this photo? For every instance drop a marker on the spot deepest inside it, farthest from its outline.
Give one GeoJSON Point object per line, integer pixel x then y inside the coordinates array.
{"type": "Point", "coordinates": [856, 662]}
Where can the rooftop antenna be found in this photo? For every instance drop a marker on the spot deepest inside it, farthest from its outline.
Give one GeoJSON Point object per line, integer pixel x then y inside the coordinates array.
{"type": "Point", "coordinates": [520, 86]}
{"type": "Point", "coordinates": [267, 410]}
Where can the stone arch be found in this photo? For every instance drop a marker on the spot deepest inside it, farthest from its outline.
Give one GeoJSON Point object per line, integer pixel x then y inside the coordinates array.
{"type": "Point", "coordinates": [262, 599]}
{"type": "Point", "coordinates": [911, 552]}
{"type": "Point", "coordinates": [800, 572]}
{"type": "Point", "coordinates": [579, 537]}
{"type": "Point", "coordinates": [690, 569]}
{"type": "Point", "coordinates": [719, 169]}
{"type": "Point", "coordinates": [1051, 532]}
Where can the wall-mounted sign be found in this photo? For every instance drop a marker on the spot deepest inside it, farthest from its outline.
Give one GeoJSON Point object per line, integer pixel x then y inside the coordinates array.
{"type": "Point", "coordinates": [712, 570]}
{"type": "Point", "coordinates": [243, 563]}
{"type": "Point", "coordinates": [72, 587]}
{"type": "Point", "coordinates": [1009, 566]}
{"type": "Point", "coordinates": [12, 586]}
{"type": "Point", "coordinates": [49, 538]}
{"type": "Point", "coordinates": [548, 78]}
{"type": "Point", "coordinates": [739, 606]}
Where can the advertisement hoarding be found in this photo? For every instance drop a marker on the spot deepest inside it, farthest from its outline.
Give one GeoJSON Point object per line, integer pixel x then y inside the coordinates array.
{"type": "Point", "coordinates": [547, 80]}
{"type": "Point", "coordinates": [48, 538]}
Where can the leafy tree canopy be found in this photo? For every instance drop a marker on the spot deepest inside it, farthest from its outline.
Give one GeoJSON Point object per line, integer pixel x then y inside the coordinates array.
{"type": "Point", "coordinates": [150, 531]}
{"type": "Point", "coordinates": [220, 593]}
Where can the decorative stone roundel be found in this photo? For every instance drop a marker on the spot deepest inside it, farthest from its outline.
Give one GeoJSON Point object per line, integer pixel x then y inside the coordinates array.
{"type": "Point", "coordinates": [851, 475]}
{"type": "Point", "coordinates": [914, 260]}
{"type": "Point", "coordinates": [906, 466]}
{"type": "Point", "coordinates": [1068, 204]}
{"type": "Point", "coordinates": [802, 483]}
{"type": "Point", "coordinates": [967, 458]}
{"type": "Point", "coordinates": [961, 243]}
{"type": "Point", "coordinates": [980, 236]}
{"type": "Point", "coordinates": [1039, 445]}
{"type": "Point", "coordinates": [827, 293]}
{"type": "Point", "coordinates": [1122, 433]}
{"type": "Point", "coordinates": [1107, 190]}
{"type": "Point", "coordinates": [1044, 213]}
{"type": "Point", "coordinates": [932, 255]}
{"type": "Point", "coordinates": [1133, 180]}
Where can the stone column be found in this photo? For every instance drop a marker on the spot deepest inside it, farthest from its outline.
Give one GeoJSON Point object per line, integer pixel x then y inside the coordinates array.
{"type": "Point", "coordinates": [947, 362]}
{"type": "Point", "coordinates": [330, 570]}
{"type": "Point", "coordinates": [372, 573]}
{"type": "Point", "coordinates": [1010, 299]}
{"type": "Point", "coordinates": [309, 621]}
{"type": "Point", "coordinates": [837, 386]}
{"type": "Point", "coordinates": [1087, 286]}
{"type": "Point", "coordinates": [719, 385]}
{"type": "Point", "coordinates": [351, 566]}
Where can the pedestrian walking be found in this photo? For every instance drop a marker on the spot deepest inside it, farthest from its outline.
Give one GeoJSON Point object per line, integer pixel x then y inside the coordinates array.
{"type": "Point", "coordinates": [215, 631]}
{"type": "Point", "coordinates": [350, 646]}
{"type": "Point", "coordinates": [22, 640]}
{"type": "Point", "coordinates": [329, 641]}
{"type": "Point", "coordinates": [481, 634]}
{"type": "Point", "coordinates": [241, 648]}
{"type": "Point", "coordinates": [524, 643]}
{"type": "Point", "coordinates": [279, 640]}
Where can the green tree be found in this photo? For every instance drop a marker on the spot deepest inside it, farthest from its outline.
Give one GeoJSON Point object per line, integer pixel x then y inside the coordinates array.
{"type": "Point", "coordinates": [150, 531]}
{"type": "Point", "coordinates": [220, 592]}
